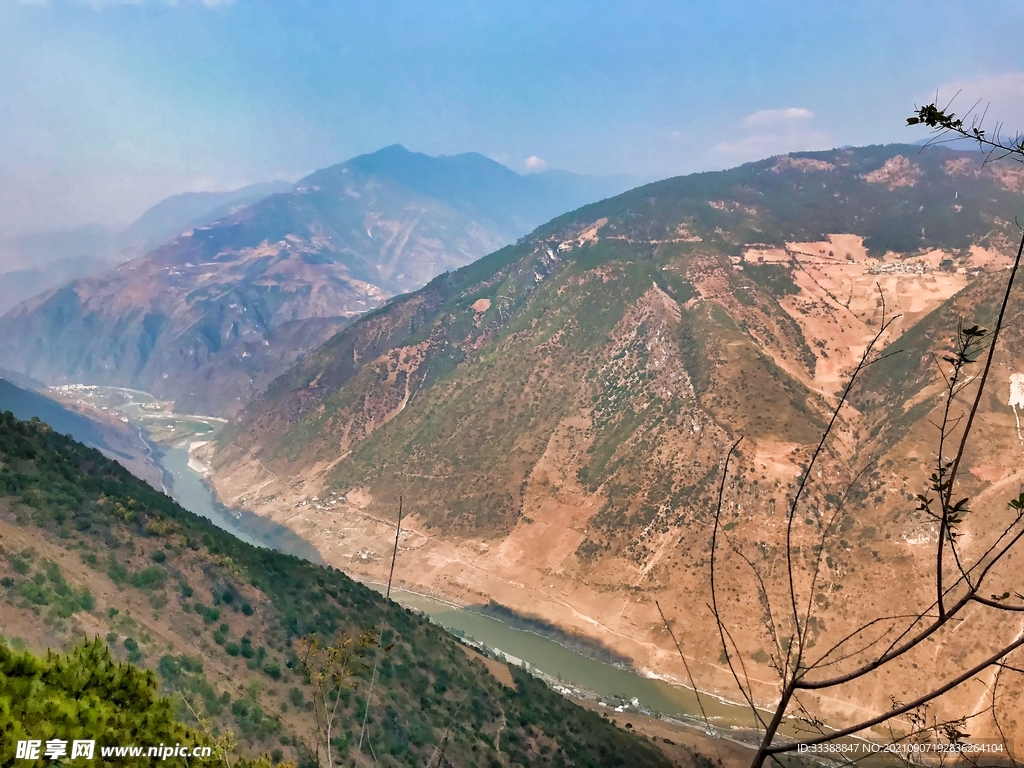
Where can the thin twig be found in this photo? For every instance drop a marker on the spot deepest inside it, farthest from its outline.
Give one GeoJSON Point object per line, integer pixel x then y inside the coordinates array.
{"type": "Point", "coordinates": [722, 629]}
{"type": "Point", "coordinates": [984, 374]}
{"type": "Point", "coordinates": [380, 639]}
{"type": "Point", "coordinates": [686, 666]}
{"type": "Point", "coordinates": [924, 699]}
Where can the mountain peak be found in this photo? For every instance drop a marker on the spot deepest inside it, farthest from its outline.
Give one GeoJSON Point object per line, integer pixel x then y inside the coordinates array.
{"type": "Point", "coordinates": [337, 244]}
{"type": "Point", "coordinates": [391, 149]}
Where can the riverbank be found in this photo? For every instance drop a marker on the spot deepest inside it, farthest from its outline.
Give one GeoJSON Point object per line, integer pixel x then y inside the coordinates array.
{"type": "Point", "coordinates": [190, 489]}
{"type": "Point", "coordinates": [578, 667]}
{"type": "Point", "coordinates": [681, 743]}
{"type": "Point", "coordinates": [607, 682]}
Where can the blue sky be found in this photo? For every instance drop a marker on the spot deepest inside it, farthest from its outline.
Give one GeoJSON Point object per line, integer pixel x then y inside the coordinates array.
{"type": "Point", "coordinates": [107, 106]}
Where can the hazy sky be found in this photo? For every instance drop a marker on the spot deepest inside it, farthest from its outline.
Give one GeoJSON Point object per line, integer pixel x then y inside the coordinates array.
{"type": "Point", "coordinates": [106, 106]}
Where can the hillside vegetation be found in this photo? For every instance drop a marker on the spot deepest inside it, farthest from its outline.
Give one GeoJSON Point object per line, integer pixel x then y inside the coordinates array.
{"type": "Point", "coordinates": [88, 550]}
{"type": "Point", "coordinates": [84, 694]}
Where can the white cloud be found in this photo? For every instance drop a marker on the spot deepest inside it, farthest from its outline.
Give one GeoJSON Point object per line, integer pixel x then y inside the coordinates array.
{"type": "Point", "coordinates": [534, 163]}
{"type": "Point", "coordinates": [770, 132]}
{"type": "Point", "coordinates": [764, 117]}
{"type": "Point", "coordinates": [999, 97]}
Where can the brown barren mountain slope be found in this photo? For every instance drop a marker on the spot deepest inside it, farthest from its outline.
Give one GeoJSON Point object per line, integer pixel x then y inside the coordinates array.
{"type": "Point", "coordinates": [555, 416]}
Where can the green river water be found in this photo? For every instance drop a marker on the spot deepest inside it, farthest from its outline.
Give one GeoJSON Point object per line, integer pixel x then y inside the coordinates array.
{"type": "Point", "coordinates": [575, 670]}
{"type": "Point", "coordinates": [576, 674]}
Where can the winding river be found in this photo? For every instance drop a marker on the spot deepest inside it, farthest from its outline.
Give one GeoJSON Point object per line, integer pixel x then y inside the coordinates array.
{"type": "Point", "coordinates": [571, 672]}
{"type": "Point", "coordinates": [610, 683]}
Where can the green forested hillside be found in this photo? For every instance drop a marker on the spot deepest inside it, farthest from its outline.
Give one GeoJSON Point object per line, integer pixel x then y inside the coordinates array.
{"type": "Point", "coordinates": [221, 622]}
{"type": "Point", "coordinates": [899, 197]}
{"type": "Point", "coordinates": [83, 695]}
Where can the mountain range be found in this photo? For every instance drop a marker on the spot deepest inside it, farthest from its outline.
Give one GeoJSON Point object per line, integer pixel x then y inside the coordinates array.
{"type": "Point", "coordinates": [555, 415]}
{"type": "Point", "coordinates": [35, 263]}
{"type": "Point", "coordinates": [212, 316]}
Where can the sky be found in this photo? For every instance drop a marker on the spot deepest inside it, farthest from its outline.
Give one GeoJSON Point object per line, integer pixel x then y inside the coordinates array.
{"type": "Point", "coordinates": [107, 106]}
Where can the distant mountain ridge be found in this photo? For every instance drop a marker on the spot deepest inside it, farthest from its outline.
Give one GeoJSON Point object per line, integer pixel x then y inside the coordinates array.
{"type": "Point", "coordinates": [32, 250]}
{"type": "Point", "coordinates": [188, 210]}
{"type": "Point", "coordinates": [33, 264]}
{"type": "Point", "coordinates": [27, 405]}
{"type": "Point", "coordinates": [211, 317]}
{"type": "Point", "coordinates": [103, 431]}
{"type": "Point", "coordinates": [509, 203]}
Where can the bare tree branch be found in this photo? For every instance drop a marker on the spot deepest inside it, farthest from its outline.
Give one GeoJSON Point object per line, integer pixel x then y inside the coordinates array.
{"type": "Point", "coordinates": [924, 699]}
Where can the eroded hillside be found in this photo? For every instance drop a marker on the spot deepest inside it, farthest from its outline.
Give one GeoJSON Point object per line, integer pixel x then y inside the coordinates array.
{"type": "Point", "coordinates": [556, 414]}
